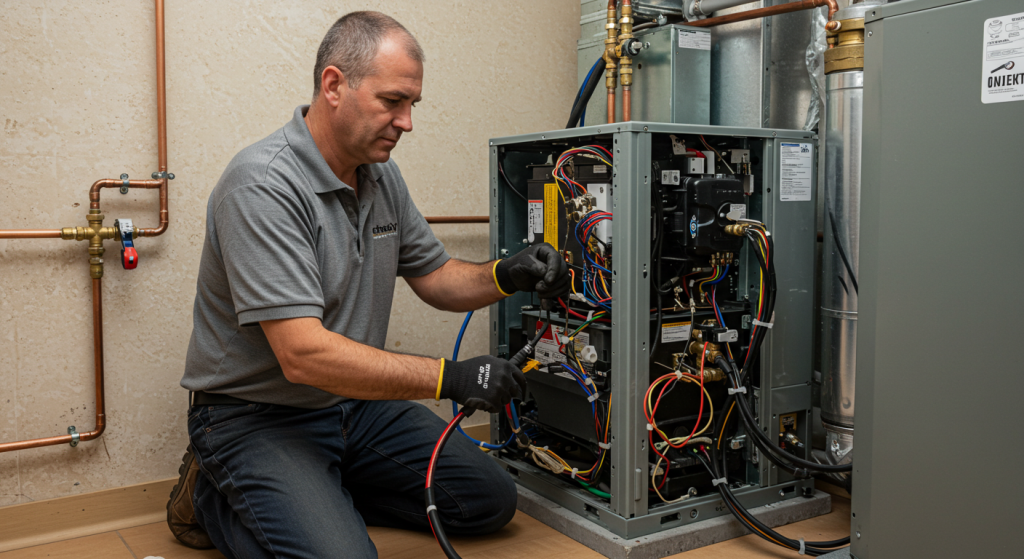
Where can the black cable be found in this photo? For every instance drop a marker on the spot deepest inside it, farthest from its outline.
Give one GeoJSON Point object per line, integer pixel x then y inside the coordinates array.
{"type": "Point", "coordinates": [842, 253]}
{"type": "Point", "coordinates": [501, 170]}
{"type": "Point", "coordinates": [433, 518]}
{"type": "Point", "coordinates": [812, 548]}
{"type": "Point", "coordinates": [796, 465]}
{"type": "Point", "coordinates": [581, 102]}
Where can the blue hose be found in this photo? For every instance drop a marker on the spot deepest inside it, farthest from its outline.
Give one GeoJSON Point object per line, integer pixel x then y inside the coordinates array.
{"type": "Point", "coordinates": [455, 406]}
{"type": "Point", "coordinates": [583, 115]}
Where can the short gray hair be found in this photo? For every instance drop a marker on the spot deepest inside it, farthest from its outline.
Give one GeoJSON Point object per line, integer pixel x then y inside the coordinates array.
{"type": "Point", "coordinates": [351, 45]}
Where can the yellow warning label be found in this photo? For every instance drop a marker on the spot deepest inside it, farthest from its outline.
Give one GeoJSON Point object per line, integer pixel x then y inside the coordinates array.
{"type": "Point", "coordinates": [551, 208]}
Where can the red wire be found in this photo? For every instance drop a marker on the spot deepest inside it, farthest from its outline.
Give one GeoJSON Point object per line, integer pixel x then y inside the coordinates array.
{"type": "Point", "coordinates": [437, 447]}
{"type": "Point", "coordinates": [697, 153]}
{"type": "Point", "coordinates": [578, 315]}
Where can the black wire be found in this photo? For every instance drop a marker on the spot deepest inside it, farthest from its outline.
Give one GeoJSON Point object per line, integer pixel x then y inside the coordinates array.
{"type": "Point", "coordinates": [432, 515]}
{"type": "Point", "coordinates": [508, 182]}
{"type": "Point", "coordinates": [792, 463]}
{"type": "Point", "coordinates": [812, 548]}
{"type": "Point", "coordinates": [581, 102]}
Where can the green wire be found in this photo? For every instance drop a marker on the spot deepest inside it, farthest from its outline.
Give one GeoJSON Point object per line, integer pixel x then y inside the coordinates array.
{"type": "Point", "coordinates": [585, 324]}
{"type": "Point", "coordinates": [595, 491]}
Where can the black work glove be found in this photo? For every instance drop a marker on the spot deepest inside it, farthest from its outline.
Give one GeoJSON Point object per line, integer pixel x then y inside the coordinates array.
{"type": "Point", "coordinates": [539, 268]}
{"type": "Point", "coordinates": [485, 383]}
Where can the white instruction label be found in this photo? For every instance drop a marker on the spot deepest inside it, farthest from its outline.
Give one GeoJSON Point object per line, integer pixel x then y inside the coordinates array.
{"type": "Point", "coordinates": [699, 40]}
{"type": "Point", "coordinates": [670, 177]}
{"type": "Point", "coordinates": [547, 348]}
{"type": "Point", "coordinates": [675, 332]}
{"type": "Point", "coordinates": [737, 211]}
{"type": "Point", "coordinates": [536, 217]}
{"type": "Point", "coordinates": [600, 170]}
{"type": "Point", "coordinates": [796, 174]}
{"type": "Point", "coordinates": [1002, 62]}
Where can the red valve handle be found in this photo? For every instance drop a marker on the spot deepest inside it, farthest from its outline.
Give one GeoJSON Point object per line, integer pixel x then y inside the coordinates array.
{"type": "Point", "coordinates": [129, 258]}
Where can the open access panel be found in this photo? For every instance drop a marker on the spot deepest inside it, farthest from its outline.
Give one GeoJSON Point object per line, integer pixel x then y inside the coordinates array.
{"type": "Point", "coordinates": [662, 293]}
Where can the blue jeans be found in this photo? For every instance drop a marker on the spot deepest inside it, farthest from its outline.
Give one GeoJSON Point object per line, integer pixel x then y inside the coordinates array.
{"type": "Point", "coordinates": [288, 482]}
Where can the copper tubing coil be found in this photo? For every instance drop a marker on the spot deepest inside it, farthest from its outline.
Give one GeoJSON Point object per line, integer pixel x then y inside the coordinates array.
{"type": "Point", "coordinates": [97, 344]}
{"type": "Point", "coordinates": [766, 12]}
{"type": "Point", "coordinates": [459, 219]}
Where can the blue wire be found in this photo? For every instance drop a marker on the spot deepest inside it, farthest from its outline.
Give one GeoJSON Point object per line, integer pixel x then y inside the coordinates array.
{"type": "Point", "coordinates": [587, 391]}
{"type": "Point", "coordinates": [455, 407]}
{"type": "Point", "coordinates": [724, 272]}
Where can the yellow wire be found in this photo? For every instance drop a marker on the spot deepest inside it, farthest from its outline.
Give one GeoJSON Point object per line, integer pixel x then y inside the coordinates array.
{"type": "Point", "coordinates": [727, 414]}
{"type": "Point", "coordinates": [650, 410]}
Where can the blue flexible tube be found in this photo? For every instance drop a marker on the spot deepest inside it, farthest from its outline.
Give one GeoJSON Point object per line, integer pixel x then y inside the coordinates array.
{"type": "Point", "coordinates": [455, 407]}
{"type": "Point", "coordinates": [583, 114]}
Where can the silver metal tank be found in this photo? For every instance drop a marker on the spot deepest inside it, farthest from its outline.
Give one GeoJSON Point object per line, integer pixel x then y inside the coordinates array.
{"type": "Point", "coordinates": [843, 130]}
{"type": "Point", "coordinates": [844, 97]}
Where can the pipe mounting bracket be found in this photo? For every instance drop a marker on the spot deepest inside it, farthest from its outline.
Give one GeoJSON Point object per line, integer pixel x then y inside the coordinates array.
{"type": "Point", "coordinates": [75, 435]}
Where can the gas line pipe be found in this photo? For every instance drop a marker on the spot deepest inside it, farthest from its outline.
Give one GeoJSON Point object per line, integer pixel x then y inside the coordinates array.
{"type": "Point", "coordinates": [96, 233]}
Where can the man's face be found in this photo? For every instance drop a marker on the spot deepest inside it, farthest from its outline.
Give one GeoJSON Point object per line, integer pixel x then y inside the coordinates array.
{"type": "Point", "coordinates": [370, 119]}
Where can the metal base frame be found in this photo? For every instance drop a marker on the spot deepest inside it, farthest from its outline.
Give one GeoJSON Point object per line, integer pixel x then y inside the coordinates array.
{"type": "Point", "coordinates": [659, 518]}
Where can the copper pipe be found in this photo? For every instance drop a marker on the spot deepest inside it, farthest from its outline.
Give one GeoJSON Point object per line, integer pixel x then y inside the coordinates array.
{"type": "Point", "coordinates": [101, 420]}
{"type": "Point", "coordinates": [766, 12]}
{"type": "Point", "coordinates": [459, 219]}
{"type": "Point", "coordinates": [94, 190]}
{"type": "Point", "coordinates": [161, 90]}
{"type": "Point", "coordinates": [625, 61]}
{"type": "Point", "coordinates": [29, 233]}
{"type": "Point", "coordinates": [161, 123]}
{"type": "Point", "coordinates": [610, 60]}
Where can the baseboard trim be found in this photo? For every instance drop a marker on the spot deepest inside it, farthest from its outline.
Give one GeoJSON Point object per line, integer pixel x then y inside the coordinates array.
{"type": "Point", "coordinates": [63, 518]}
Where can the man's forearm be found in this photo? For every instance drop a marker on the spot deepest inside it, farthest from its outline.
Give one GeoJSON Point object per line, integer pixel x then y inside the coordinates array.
{"type": "Point", "coordinates": [312, 355]}
{"type": "Point", "coordinates": [458, 286]}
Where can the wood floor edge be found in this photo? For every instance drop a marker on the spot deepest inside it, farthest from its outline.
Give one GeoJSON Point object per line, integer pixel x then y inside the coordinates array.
{"type": "Point", "coordinates": [75, 516]}
{"type": "Point", "coordinates": [479, 432]}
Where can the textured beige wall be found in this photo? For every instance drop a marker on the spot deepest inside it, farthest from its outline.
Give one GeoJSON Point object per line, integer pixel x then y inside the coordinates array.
{"type": "Point", "coordinates": [77, 104]}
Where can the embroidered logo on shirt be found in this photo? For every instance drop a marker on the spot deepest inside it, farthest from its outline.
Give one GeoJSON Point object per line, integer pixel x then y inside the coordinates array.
{"type": "Point", "coordinates": [386, 230]}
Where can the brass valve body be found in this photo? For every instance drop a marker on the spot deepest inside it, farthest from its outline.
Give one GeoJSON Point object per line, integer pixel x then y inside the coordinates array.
{"type": "Point", "coordinates": [847, 47]}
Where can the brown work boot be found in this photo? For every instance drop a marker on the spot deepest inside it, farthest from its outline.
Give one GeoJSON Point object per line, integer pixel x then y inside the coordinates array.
{"type": "Point", "coordinates": [181, 515]}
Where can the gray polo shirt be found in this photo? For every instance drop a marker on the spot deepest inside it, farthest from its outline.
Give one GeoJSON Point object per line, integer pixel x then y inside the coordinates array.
{"type": "Point", "coordinates": [286, 239]}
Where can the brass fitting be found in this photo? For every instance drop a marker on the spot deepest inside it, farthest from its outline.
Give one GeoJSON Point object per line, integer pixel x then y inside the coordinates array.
{"type": "Point", "coordinates": [737, 229]}
{"type": "Point", "coordinates": [710, 355]}
{"type": "Point", "coordinates": [713, 374]}
{"type": "Point", "coordinates": [95, 233]}
{"type": "Point", "coordinates": [610, 61]}
{"type": "Point", "coordinates": [721, 258]}
{"type": "Point", "coordinates": [846, 46]}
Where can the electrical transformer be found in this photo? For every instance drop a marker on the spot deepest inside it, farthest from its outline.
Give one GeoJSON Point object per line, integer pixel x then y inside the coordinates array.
{"type": "Point", "coordinates": [668, 230]}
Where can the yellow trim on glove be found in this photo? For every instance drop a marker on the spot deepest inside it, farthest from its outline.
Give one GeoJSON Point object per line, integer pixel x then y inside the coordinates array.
{"type": "Point", "coordinates": [494, 273]}
{"type": "Point", "coordinates": [440, 377]}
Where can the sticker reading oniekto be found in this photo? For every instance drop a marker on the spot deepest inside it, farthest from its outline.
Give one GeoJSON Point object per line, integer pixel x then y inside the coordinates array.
{"type": "Point", "coordinates": [796, 172]}
{"type": "Point", "coordinates": [1002, 61]}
